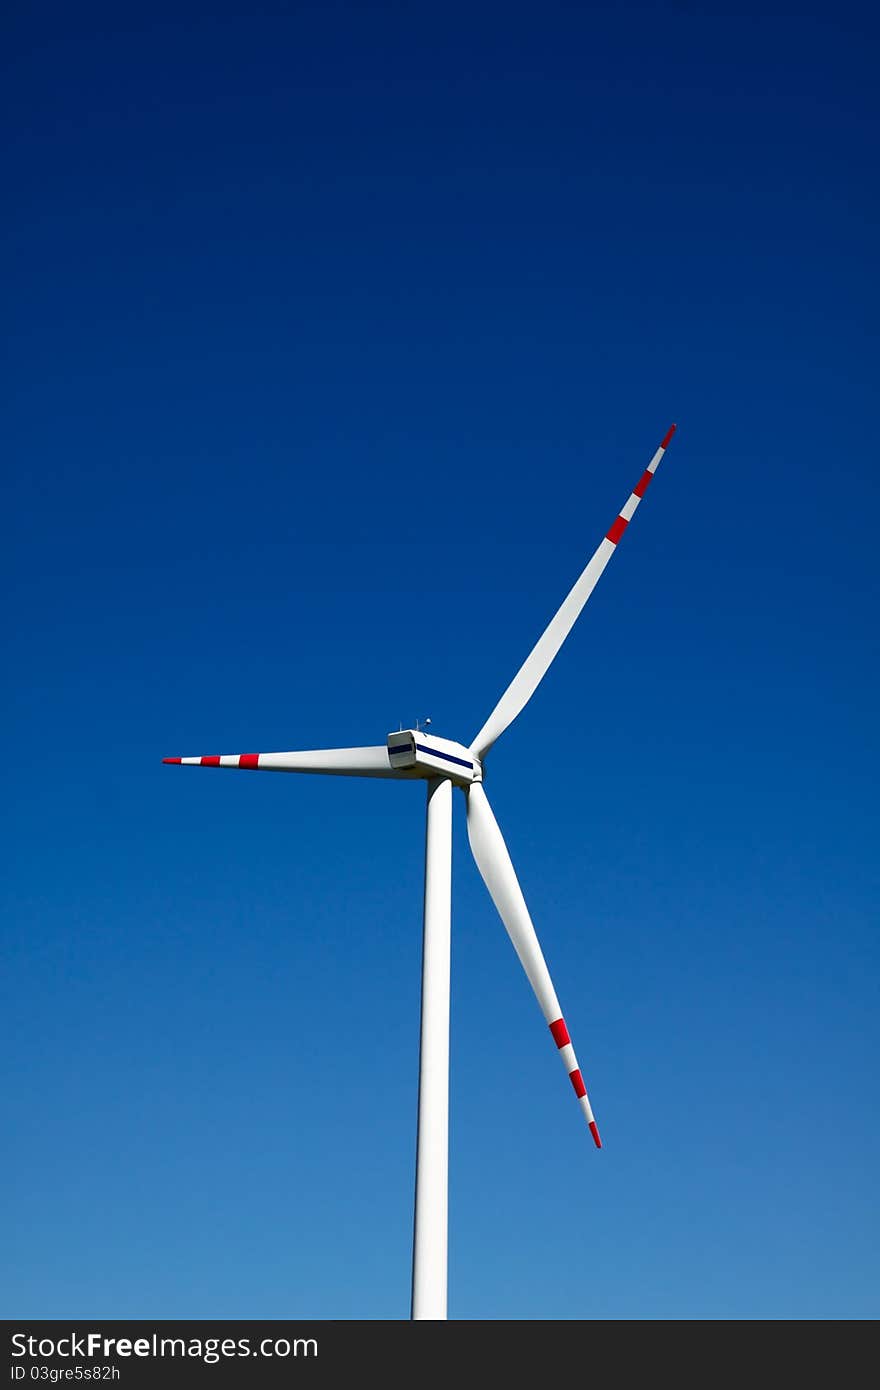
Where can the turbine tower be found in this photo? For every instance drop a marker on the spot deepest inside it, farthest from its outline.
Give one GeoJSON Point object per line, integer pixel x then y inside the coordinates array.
{"type": "Point", "coordinates": [413, 753]}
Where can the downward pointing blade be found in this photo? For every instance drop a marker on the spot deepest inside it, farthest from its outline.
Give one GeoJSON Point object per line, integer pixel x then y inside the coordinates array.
{"type": "Point", "coordinates": [493, 862]}
{"type": "Point", "coordinates": [537, 663]}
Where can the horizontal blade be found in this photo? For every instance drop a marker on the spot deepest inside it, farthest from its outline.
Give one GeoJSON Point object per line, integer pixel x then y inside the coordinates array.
{"type": "Point", "coordinates": [493, 862]}
{"type": "Point", "coordinates": [337, 762]}
{"type": "Point", "coordinates": [537, 663]}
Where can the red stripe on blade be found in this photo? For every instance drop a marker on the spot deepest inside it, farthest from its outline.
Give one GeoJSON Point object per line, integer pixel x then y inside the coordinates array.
{"type": "Point", "coordinates": [667, 436]}
{"type": "Point", "coordinates": [210, 760]}
{"type": "Point", "coordinates": [171, 760]}
{"type": "Point", "coordinates": [595, 1133]}
{"type": "Point", "coordinates": [617, 530]}
{"type": "Point", "coordinates": [641, 486]}
{"type": "Point", "coordinates": [249, 760]}
{"type": "Point", "coordinates": [560, 1033]}
{"type": "Point", "coordinates": [577, 1082]}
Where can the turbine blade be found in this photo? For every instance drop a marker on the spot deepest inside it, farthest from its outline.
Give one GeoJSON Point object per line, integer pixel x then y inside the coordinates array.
{"type": "Point", "coordinates": [537, 663]}
{"type": "Point", "coordinates": [337, 762]}
{"type": "Point", "coordinates": [493, 862]}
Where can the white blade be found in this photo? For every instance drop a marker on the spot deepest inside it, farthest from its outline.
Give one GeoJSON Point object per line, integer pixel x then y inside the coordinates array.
{"type": "Point", "coordinates": [493, 862]}
{"type": "Point", "coordinates": [338, 762]}
{"type": "Point", "coordinates": [536, 664]}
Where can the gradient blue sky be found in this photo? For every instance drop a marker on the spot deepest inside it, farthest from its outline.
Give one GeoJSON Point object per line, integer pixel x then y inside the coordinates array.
{"type": "Point", "coordinates": [338, 337]}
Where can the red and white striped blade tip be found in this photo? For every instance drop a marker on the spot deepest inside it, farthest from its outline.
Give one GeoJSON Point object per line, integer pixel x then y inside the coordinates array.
{"type": "Point", "coordinates": [562, 1038]}
{"type": "Point", "coordinates": [667, 436]}
{"type": "Point", "coordinates": [246, 760]}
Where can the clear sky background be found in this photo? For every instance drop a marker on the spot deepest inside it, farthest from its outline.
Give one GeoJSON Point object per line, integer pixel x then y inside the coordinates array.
{"type": "Point", "coordinates": [337, 337]}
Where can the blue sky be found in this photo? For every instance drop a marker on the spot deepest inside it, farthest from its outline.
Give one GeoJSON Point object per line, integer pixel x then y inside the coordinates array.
{"type": "Point", "coordinates": [338, 338]}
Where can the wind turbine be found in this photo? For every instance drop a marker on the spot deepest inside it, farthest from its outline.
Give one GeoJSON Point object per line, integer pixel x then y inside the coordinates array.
{"type": "Point", "coordinates": [413, 753]}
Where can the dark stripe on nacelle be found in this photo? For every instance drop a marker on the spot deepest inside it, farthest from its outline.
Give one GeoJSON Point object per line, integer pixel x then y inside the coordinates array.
{"type": "Point", "coordinates": [435, 753]}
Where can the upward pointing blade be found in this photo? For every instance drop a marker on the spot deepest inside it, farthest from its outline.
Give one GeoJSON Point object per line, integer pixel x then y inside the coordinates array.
{"type": "Point", "coordinates": [536, 664]}
{"type": "Point", "coordinates": [493, 862]}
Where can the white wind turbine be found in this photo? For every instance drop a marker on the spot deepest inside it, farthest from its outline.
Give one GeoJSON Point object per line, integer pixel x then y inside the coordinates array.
{"type": "Point", "coordinates": [413, 753]}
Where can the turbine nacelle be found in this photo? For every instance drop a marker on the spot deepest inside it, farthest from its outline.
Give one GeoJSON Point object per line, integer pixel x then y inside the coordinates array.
{"type": "Point", "coordinates": [426, 755]}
